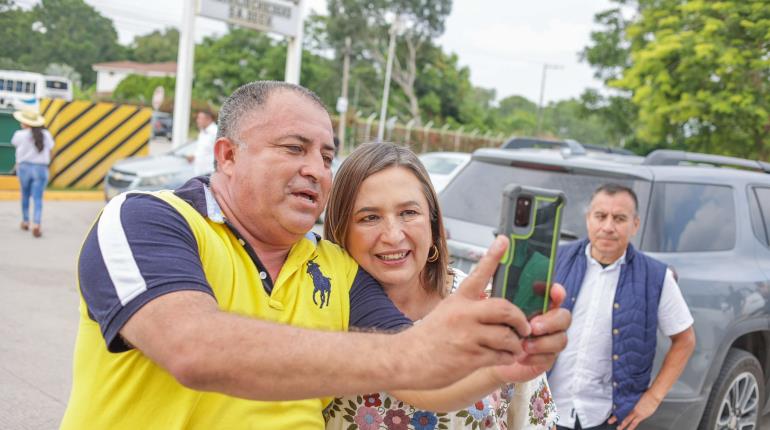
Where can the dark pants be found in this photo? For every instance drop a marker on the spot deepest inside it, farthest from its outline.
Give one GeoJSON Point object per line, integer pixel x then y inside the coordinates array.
{"type": "Point", "coordinates": [602, 426]}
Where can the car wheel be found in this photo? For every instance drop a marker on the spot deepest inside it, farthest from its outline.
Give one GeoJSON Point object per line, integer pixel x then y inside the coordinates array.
{"type": "Point", "coordinates": [737, 396]}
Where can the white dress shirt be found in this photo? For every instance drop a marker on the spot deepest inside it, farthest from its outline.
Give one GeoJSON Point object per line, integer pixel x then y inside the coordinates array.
{"type": "Point", "coordinates": [204, 150]}
{"type": "Point", "coordinates": [581, 380]}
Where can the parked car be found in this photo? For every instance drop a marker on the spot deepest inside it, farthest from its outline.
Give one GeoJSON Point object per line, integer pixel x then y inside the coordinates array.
{"type": "Point", "coordinates": [443, 166]}
{"type": "Point", "coordinates": [150, 173]}
{"type": "Point", "coordinates": [162, 124]}
{"type": "Point", "coordinates": [710, 222]}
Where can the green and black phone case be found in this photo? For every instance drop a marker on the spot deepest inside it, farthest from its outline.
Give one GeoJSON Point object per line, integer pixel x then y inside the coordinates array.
{"type": "Point", "coordinates": [525, 271]}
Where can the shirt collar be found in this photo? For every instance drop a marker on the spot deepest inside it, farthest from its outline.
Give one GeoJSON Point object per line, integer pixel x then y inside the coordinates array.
{"type": "Point", "coordinates": [616, 263]}
{"type": "Point", "coordinates": [197, 193]}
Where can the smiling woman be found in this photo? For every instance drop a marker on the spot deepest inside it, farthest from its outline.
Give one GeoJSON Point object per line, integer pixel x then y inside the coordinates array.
{"type": "Point", "coordinates": [384, 211]}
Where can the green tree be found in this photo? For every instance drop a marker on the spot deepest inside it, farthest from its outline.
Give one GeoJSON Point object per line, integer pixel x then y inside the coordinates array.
{"type": "Point", "coordinates": [368, 25]}
{"type": "Point", "coordinates": [64, 32]}
{"type": "Point", "coordinates": [565, 119]}
{"type": "Point", "coordinates": [224, 63]}
{"type": "Point", "coordinates": [74, 33]}
{"type": "Point", "coordinates": [19, 40]}
{"type": "Point", "coordinates": [139, 89]}
{"type": "Point", "coordinates": [700, 74]}
{"type": "Point", "coordinates": [609, 54]}
{"type": "Point", "coordinates": [516, 115]}
{"type": "Point", "coordinates": [156, 47]}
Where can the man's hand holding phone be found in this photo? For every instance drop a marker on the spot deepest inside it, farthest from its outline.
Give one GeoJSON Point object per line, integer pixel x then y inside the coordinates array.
{"type": "Point", "coordinates": [547, 339]}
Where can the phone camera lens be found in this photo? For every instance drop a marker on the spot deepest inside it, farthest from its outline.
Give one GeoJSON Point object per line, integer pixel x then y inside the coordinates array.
{"type": "Point", "coordinates": [522, 212]}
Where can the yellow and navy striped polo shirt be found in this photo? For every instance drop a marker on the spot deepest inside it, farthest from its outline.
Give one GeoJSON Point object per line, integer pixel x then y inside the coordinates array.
{"type": "Point", "coordinates": [145, 245]}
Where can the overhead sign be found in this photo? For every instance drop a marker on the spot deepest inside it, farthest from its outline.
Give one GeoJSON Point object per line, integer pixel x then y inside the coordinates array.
{"type": "Point", "coordinates": [276, 16]}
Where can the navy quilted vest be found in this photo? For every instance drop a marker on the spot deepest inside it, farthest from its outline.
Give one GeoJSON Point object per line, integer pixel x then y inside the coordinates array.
{"type": "Point", "coordinates": [634, 317]}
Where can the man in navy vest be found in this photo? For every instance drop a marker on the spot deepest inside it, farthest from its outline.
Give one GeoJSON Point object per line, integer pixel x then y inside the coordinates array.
{"type": "Point", "coordinates": [619, 299]}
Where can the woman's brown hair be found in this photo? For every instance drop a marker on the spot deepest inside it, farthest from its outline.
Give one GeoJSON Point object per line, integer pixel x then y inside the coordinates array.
{"type": "Point", "coordinates": [371, 158]}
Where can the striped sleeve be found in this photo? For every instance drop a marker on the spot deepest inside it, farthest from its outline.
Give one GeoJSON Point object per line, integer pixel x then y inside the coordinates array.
{"type": "Point", "coordinates": [139, 249]}
{"type": "Point", "coordinates": [371, 308]}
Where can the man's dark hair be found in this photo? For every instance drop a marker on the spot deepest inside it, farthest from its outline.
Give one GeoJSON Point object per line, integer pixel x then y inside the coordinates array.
{"type": "Point", "coordinates": [250, 97]}
{"type": "Point", "coordinates": [611, 189]}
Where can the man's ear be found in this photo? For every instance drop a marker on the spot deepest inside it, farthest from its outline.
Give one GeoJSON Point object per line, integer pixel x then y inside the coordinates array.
{"type": "Point", "coordinates": [224, 153]}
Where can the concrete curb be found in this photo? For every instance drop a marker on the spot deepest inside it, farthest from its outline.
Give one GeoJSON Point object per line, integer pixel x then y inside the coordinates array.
{"type": "Point", "coordinates": [9, 190]}
{"type": "Point", "coordinates": [57, 195]}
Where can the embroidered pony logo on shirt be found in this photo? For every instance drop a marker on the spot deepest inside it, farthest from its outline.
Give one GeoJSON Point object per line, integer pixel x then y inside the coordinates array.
{"type": "Point", "coordinates": [321, 284]}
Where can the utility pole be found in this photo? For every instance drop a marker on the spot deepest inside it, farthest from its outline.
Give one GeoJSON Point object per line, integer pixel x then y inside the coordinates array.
{"type": "Point", "coordinates": [388, 70]}
{"type": "Point", "coordinates": [542, 93]}
{"type": "Point", "coordinates": [343, 100]}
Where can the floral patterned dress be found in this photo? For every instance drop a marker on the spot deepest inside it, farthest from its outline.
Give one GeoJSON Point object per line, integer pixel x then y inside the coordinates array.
{"type": "Point", "coordinates": [516, 406]}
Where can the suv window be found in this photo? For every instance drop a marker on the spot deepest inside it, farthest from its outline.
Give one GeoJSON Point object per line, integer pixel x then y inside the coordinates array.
{"type": "Point", "coordinates": [476, 194]}
{"type": "Point", "coordinates": [759, 203]}
{"type": "Point", "coordinates": [690, 218]}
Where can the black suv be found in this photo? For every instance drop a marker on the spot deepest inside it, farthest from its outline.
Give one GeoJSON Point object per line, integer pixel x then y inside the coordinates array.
{"type": "Point", "coordinates": [706, 216]}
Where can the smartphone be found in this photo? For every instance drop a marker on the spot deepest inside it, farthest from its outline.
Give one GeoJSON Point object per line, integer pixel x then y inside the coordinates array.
{"type": "Point", "coordinates": [531, 219]}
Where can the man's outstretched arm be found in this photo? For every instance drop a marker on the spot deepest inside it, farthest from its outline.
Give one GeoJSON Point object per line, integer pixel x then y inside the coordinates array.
{"type": "Point", "coordinates": [207, 349]}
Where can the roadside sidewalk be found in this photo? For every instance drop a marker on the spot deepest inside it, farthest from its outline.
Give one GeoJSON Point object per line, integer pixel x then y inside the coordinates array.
{"type": "Point", "coordinates": [57, 195]}
{"type": "Point", "coordinates": [9, 190]}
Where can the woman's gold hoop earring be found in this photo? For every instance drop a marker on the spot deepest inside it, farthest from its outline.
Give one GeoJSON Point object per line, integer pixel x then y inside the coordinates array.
{"type": "Point", "coordinates": [433, 257]}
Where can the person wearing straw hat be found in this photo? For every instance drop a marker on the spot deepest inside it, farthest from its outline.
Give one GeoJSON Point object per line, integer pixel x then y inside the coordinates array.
{"type": "Point", "coordinates": [33, 154]}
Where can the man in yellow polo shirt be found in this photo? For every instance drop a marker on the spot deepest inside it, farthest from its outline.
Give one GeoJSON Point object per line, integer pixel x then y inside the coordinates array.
{"type": "Point", "coordinates": [212, 307]}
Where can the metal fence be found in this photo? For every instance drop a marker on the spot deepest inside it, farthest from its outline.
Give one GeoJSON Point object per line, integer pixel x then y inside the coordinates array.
{"type": "Point", "coordinates": [423, 138]}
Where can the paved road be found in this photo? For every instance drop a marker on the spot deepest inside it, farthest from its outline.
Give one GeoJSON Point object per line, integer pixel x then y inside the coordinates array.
{"type": "Point", "coordinates": [38, 313]}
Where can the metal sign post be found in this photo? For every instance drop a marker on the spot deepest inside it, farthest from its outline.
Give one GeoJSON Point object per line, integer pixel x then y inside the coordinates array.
{"type": "Point", "coordinates": [184, 72]}
{"type": "Point", "coordinates": [294, 49]}
{"type": "Point", "coordinates": [284, 17]}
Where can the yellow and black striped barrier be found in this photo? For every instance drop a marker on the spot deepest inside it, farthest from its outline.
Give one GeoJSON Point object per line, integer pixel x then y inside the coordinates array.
{"type": "Point", "coordinates": [91, 137]}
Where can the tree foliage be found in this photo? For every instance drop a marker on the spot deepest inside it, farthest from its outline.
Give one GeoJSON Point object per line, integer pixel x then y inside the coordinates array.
{"type": "Point", "coordinates": [429, 84]}
{"type": "Point", "coordinates": [139, 89]}
{"type": "Point", "coordinates": [156, 47]}
{"type": "Point", "coordinates": [57, 31]}
{"type": "Point", "coordinates": [369, 24]}
{"type": "Point", "coordinates": [696, 72]}
{"type": "Point", "coordinates": [75, 34]}
{"type": "Point", "coordinates": [224, 63]}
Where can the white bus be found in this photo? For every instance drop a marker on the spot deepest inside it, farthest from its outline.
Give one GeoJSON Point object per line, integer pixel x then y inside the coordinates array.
{"type": "Point", "coordinates": [25, 89]}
